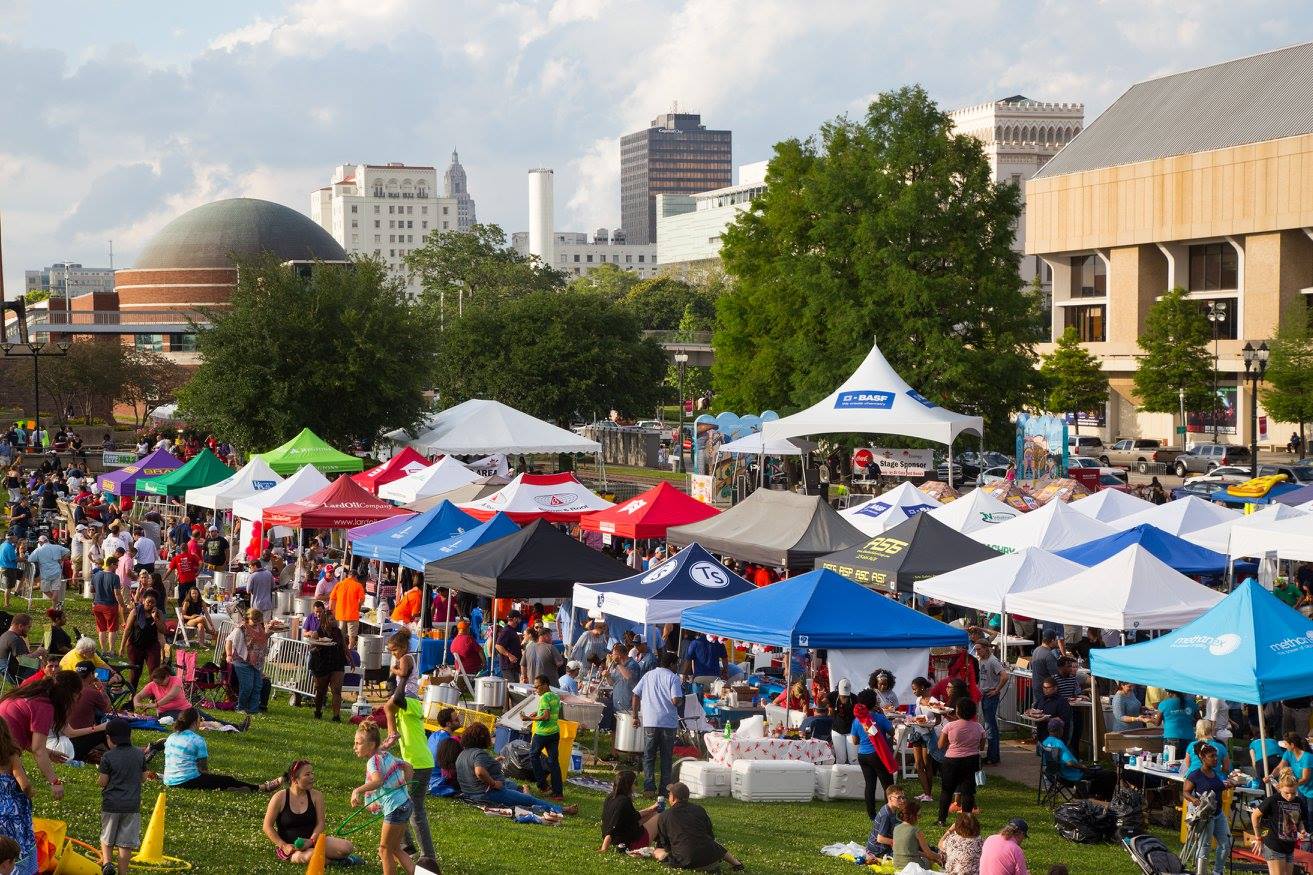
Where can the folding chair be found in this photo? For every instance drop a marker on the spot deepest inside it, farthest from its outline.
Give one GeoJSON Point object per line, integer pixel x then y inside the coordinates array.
{"type": "Point", "coordinates": [180, 631]}
{"type": "Point", "coordinates": [1053, 787]}
{"type": "Point", "coordinates": [197, 680]}
{"type": "Point", "coordinates": [353, 679]}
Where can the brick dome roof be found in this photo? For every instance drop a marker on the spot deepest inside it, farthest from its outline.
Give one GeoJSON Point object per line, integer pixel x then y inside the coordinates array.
{"type": "Point", "coordinates": [213, 235]}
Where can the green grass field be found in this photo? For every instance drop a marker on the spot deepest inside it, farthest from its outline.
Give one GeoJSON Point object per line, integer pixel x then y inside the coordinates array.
{"type": "Point", "coordinates": [220, 832]}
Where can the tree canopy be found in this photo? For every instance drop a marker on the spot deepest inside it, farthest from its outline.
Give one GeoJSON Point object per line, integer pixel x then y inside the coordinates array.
{"type": "Point", "coordinates": [1175, 356]}
{"type": "Point", "coordinates": [1075, 381]}
{"type": "Point", "coordinates": [1288, 395]}
{"type": "Point", "coordinates": [888, 228]}
{"type": "Point", "coordinates": [339, 351]}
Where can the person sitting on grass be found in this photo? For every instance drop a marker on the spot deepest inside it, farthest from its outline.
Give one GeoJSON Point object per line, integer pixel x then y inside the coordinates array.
{"type": "Point", "coordinates": [187, 760]}
{"type": "Point", "coordinates": [880, 843]}
{"type": "Point", "coordinates": [298, 813]}
{"type": "Point", "coordinates": [166, 694]}
{"type": "Point", "coordinates": [443, 780]}
{"type": "Point", "coordinates": [56, 641]}
{"type": "Point", "coordinates": [384, 791]}
{"type": "Point", "coordinates": [481, 779]}
{"type": "Point", "coordinates": [10, 854]}
{"type": "Point", "coordinates": [624, 827]}
{"type": "Point", "coordinates": [961, 845]}
{"type": "Point", "coordinates": [684, 836]}
{"type": "Point", "coordinates": [910, 845]}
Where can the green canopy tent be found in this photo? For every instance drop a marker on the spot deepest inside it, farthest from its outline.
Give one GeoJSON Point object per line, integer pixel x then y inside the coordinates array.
{"type": "Point", "coordinates": [204, 469]}
{"type": "Point", "coordinates": [307, 448]}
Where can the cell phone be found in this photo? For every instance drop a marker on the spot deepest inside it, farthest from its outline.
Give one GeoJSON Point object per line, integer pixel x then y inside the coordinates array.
{"type": "Point", "coordinates": [661, 804]}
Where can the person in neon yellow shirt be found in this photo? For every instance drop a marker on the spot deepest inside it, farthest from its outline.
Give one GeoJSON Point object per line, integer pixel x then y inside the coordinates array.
{"type": "Point", "coordinates": [83, 651]}
{"type": "Point", "coordinates": [546, 739]}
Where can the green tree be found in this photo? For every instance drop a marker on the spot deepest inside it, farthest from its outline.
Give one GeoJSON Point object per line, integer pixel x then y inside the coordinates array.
{"type": "Point", "coordinates": [1175, 357]}
{"type": "Point", "coordinates": [662, 302]}
{"type": "Point", "coordinates": [552, 354]}
{"type": "Point", "coordinates": [36, 296]}
{"type": "Point", "coordinates": [611, 281]}
{"type": "Point", "coordinates": [1288, 395]}
{"type": "Point", "coordinates": [891, 227]}
{"type": "Point", "coordinates": [87, 380]}
{"type": "Point", "coordinates": [1075, 381]}
{"type": "Point", "coordinates": [341, 351]}
{"type": "Point", "coordinates": [149, 380]}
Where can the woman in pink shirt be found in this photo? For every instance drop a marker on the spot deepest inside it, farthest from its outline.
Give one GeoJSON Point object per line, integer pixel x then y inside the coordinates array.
{"type": "Point", "coordinates": [961, 740]}
{"type": "Point", "coordinates": [1001, 854]}
{"type": "Point", "coordinates": [166, 693]}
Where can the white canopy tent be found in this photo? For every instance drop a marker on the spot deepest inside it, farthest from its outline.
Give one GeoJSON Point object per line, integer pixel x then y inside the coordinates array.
{"type": "Point", "coordinates": [1110, 505]}
{"type": "Point", "coordinates": [255, 476]}
{"type": "Point", "coordinates": [1055, 526]}
{"type": "Point", "coordinates": [1220, 537]}
{"type": "Point", "coordinates": [990, 585]}
{"type": "Point", "coordinates": [876, 400]}
{"type": "Point", "coordinates": [973, 511]}
{"type": "Point", "coordinates": [876, 515]}
{"type": "Point", "coordinates": [1179, 517]}
{"type": "Point", "coordinates": [1290, 538]}
{"type": "Point", "coordinates": [442, 476]}
{"type": "Point", "coordinates": [480, 427]}
{"type": "Point", "coordinates": [755, 444]}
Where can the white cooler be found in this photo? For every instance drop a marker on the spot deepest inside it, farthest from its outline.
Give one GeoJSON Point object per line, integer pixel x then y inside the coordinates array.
{"type": "Point", "coordinates": [843, 782]}
{"type": "Point", "coordinates": [704, 779]}
{"type": "Point", "coordinates": [773, 781]}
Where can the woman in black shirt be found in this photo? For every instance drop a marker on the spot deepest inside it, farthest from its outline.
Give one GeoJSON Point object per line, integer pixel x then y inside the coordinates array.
{"type": "Point", "coordinates": [624, 826]}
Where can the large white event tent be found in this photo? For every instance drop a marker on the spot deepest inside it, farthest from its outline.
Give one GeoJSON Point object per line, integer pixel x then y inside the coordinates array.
{"type": "Point", "coordinates": [876, 400]}
{"type": "Point", "coordinates": [1241, 529]}
{"type": "Point", "coordinates": [255, 476]}
{"type": "Point", "coordinates": [1179, 517]}
{"type": "Point", "coordinates": [881, 513]}
{"type": "Point", "coordinates": [443, 476]}
{"type": "Point", "coordinates": [1055, 526]}
{"type": "Point", "coordinates": [1110, 505]}
{"type": "Point", "coordinates": [250, 510]}
{"type": "Point", "coordinates": [1289, 538]}
{"type": "Point", "coordinates": [480, 427]}
{"type": "Point", "coordinates": [756, 444]}
{"type": "Point", "coordinates": [973, 511]}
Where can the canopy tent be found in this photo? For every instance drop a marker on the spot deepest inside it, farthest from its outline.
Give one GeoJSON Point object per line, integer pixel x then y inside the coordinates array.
{"type": "Point", "coordinates": [1295, 497]}
{"type": "Point", "coordinates": [821, 610]}
{"type": "Point", "coordinates": [307, 448]}
{"type": "Point", "coordinates": [420, 555]}
{"type": "Point", "coordinates": [1176, 553]}
{"type": "Point", "coordinates": [204, 469]}
{"type": "Point", "coordinates": [1180, 517]}
{"type": "Point", "coordinates": [1289, 538]}
{"type": "Point", "coordinates": [414, 532]}
{"type": "Point", "coordinates": [300, 485]}
{"type": "Point", "coordinates": [1055, 526]}
{"type": "Point", "coordinates": [1131, 590]}
{"type": "Point", "coordinates": [771, 527]}
{"type": "Point", "coordinates": [481, 488]}
{"type": "Point", "coordinates": [1109, 505]}
{"type": "Point", "coordinates": [403, 464]}
{"type": "Point", "coordinates": [690, 578]}
{"type": "Point", "coordinates": [442, 476]}
{"type": "Point", "coordinates": [913, 550]}
{"type": "Point", "coordinates": [875, 400]}
{"type": "Point", "coordinates": [1249, 648]}
{"type": "Point", "coordinates": [124, 480]}
{"type": "Point", "coordinates": [342, 504]}
{"type": "Point", "coordinates": [539, 561]}
{"type": "Point", "coordinates": [556, 497]}
{"type": "Point", "coordinates": [649, 514]}
{"type": "Point", "coordinates": [377, 527]}
{"type": "Point", "coordinates": [988, 586]}
{"type": "Point", "coordinates": [1219, 537]}
{"type": "Point", "coordinates": [255, 476]}
{"type": "Point", "coordinates": [977, 510]}
{"type": "Point", "coordinates": [756, 444]}
{"type": "Point", "coordinates": [479, 427]}
{"type": "Point", "coordinates": [888, 509]}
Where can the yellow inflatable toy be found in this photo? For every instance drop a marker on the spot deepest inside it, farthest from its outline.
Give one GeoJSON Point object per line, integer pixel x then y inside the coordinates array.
{"type": "Point", "coordinates": [1257, 487]}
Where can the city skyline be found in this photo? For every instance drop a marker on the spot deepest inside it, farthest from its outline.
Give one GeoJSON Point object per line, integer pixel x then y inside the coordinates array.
{"type": "Point", "coordinates": [128, 115]}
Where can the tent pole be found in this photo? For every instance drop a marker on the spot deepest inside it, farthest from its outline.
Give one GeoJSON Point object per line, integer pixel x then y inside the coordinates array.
{"type": "Point", "coordinates": [950, 463]}
{"type": "Point", "coordinates": [1003, 624]}
{"type": "Point", "coordinates": [788, 683]}
{"type": "Point", "coordinates": [446, 630]}
{"type": "Point", "coordinates": [1262, 746]}
{"type": "Point", "coordinates": [1096, 710]}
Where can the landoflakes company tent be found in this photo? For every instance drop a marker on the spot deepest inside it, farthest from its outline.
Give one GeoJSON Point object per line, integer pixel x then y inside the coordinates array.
{"type": "Point", "coordinates": [649, 514]}
{"type": "Point", "coordinates": [888, 509]}
{"type": "Point", "coordinates": [479, 427]}
{"type": "Point", "coordinates": [973, 511]}
{"type": "Point", "coordinates": [403, 464]}
{"type": "Point", "coordinates": [442, 476]}
{"type": "Point", "coordinates": [555, 497]}
{"type": "Point", "coordinates": [917, 548]}
{"type": "Point", "coordinates": [1180, 517]}
{"type": "Point", "coordinates": [342, 504]}
{"type": "Point", "coordinates": [307, 448]}
{"type": "Point", "coordinates": [255, 476]}
{"type": "Point", "coordinates": [204, 469]}
{"type": "Point", "coordinates": [1055, 526]}
{"type": "Point", "coordinates": [1110, 505]}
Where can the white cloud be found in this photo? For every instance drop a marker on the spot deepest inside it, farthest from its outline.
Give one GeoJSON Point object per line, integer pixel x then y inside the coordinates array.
{"type": "Point", "coordinates": [595, 198]}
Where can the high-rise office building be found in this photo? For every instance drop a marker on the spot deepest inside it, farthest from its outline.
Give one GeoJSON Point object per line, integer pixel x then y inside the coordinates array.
{"type": "Point", "coordinates": [455, 187]}
{"type": "Point", "coordinates": [676, 155]}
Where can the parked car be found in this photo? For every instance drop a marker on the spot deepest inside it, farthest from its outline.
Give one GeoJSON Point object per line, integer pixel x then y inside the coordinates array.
{"type": "Point", "coordinates": [1112, 481]}
{"type": "Point", "coordinates": [649, 425]}
{"type": "Point", "coordinates": [1139, 453]}
{"type": "Point", "coordinates": [992, 475]}
{"type": "Point", "coordinates": [1203, 458]}
{"type": "Point", "coordinates": [1226, 475]}
{"type": "Point", "coordinates": [1294, 473]}
{"type": "Point", "coordinates": [1084, 445]}
{"type": "Point", "coordinates": [967, 466]}
{"type": "Point", "coordinates": [1104, 470]}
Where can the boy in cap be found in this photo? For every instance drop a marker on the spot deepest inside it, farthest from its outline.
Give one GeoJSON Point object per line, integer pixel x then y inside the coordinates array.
{"type": "Point", "coordinates": [569, 682]}
{"type": "Point", "coordinates": [121, 770]}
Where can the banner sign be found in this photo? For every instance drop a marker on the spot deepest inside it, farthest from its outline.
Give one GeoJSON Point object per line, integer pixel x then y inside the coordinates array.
{"type": "Point", "coordinates": [491, 466]}
{"type": "Point", "coordinates": [867, 399]}
{"type": "Point", "coordinates": [1041, 446]}
{"type": "Point", "coordinates": [1201, 421]}
{"type": "Point", "coordinates": [700, 487]}
{"type": "Point", "coordinates": [902, 463]}
{"type": "Point", "coordinates": [117, 459]}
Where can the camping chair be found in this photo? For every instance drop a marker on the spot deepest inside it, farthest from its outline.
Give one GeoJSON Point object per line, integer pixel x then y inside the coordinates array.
{"type": "Point", "coordinates": [1053, 787]}
{"type": "Point", "coordinates": [353, 680]}
{"type": "Point", "coordinates": [197, 681]}
{"type": "Point", "coordinates": [180, 631]}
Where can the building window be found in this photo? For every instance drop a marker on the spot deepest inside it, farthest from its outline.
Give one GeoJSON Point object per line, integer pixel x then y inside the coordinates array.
{"type": "Point", "coordinates": [444, 226]}
{"type": "Point", "coordinates": [640, 259]}
{"type": "Point", "coordinates": [576, 259]}
{"type": "Point", "coordinates": [353, 208]}
{"type": "Point", "coordinates": [378, 223]}
{"type": "Point", "coordinates": [410, 223]}
{"type": "Point", "coordinates": [182, 342]}
{"type": "Point", "coordinates": [378, 238]}
{"type": "Point", "coordinates": [1089, 277]}
{"type": "Point", "coordinates": [629, 259]}
{"type": "Point", "coordinates": [1228, 326]}
{"type": "Point", "coordinates": [1213, 266]}
{"type": "Point", "coordinates": [376, 209]}
{"type": "Point", "coordinates": [355, 223]}
{"type": "Point", "coordinates": [1016, 180]}
{"type": "Point", "coordinates": [1088, 322]}
{"type": "Point", "coordinates": [150, 342]}
{"type": "Point", "coordinates": [590, 259]}
{"type": "Point", "coordinates": [423, 211]}
{"type": "Point", "coordinates": [423, 226]}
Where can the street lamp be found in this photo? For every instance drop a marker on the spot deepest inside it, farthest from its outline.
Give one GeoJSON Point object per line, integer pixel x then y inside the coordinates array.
{"type": "Point", "coordinates": [28, 348]}
{"type": "Point", "coordinates": [1255, 366]}
{"type": "Point", "coordinates": [1216, 315]}
{"type": "Point", "coordinates": [681, 359]}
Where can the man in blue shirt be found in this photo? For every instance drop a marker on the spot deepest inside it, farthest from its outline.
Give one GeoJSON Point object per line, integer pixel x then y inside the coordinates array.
{"type": "Point", "coordinates": [880, 843]}
{"type": "Point", "coordinates": [704, 661]}
{"type": "Point", "coordinates": [9, 563]}
{"type": "Point", "coordinates": [658, 701]}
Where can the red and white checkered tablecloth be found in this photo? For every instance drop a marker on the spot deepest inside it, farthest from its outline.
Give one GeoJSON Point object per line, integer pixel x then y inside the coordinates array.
{"type": "Point", "coordinates": [810, 750]}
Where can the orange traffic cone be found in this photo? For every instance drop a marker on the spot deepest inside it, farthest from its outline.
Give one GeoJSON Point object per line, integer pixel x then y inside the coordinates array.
{"type": "Point", "coordinates": [319, 858]}
{"type": "Point", "coordinates": [152, 845]}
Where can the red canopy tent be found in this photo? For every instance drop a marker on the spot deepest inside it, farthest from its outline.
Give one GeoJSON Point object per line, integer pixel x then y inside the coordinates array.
{"type": "Point", "coordinates": [401, 465]}
{"type": "Point", "coordinates": [342, 504]}
{"type": "Point", "coordinates": [649, 514]}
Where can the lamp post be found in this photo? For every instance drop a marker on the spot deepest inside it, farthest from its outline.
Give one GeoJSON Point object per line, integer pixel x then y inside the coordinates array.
{"type": "Point", "coordinates": [1255, 366]}
{"type": "Point", "coordinates": [1216, 315]}
{"type": "Point", "coordinates": [1184, 434]}
{"type": "Point", "coordinates": [681, 359]}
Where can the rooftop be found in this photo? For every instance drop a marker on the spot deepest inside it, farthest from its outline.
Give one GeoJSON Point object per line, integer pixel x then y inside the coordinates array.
{"type": "Point", "coordinates": [214, 234]}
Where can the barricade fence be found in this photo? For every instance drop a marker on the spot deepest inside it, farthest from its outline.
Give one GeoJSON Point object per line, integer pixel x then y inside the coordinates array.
{"type": "Point", "coordinates": [287, 666]}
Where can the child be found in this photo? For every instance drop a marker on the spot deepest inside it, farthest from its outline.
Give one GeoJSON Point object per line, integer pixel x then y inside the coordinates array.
{"type": "Point", "coordinates": [9, 854]}
{"type": "Point", "coordinates": [386, 779]}
{"type": "Point", "coordinates": [407, 681]}
{"type": "Point", "coordinates": [121, 770]}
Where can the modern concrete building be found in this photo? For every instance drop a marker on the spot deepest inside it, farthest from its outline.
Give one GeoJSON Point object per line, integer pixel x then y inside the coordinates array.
{"type": "Point", "coordinates": [676, 154]}
{"type": "Point", "coordinates": [689, 227]}
{"type": "Point", "coordinates": [1019, 136]}
{"type": "Point", "coordinates": [1203, 180]}
{"type": "Point", "coordinates": [68, 280]}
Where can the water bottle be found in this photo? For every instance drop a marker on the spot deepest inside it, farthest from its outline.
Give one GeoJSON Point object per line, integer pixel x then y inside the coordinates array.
{"type": "Point", "coordinates": [729, 730]}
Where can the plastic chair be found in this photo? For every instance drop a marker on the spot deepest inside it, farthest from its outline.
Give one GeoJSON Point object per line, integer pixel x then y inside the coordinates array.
{"type": "Point", "coordinates": [180, 632]}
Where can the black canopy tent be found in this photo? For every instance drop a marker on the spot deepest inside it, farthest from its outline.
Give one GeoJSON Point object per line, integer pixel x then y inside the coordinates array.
{"type": "Point", "coordinates": [919, 547]}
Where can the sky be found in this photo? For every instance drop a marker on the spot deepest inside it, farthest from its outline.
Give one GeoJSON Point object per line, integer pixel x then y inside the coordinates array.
{"type": "Point", "coordinates": [119, 115]}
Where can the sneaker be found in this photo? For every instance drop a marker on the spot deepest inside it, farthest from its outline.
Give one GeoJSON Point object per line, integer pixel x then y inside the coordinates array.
{"type": "Point", "coordinates": [108, 869]}
{"type": "Point", "coordinates": [353, 860]}
{"type": "Point", "coordinates": [925, 797]}
{"type": "Point", "coordinates": [570, 809]}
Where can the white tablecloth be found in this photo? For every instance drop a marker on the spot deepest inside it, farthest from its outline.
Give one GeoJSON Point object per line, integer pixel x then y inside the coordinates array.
{"type": "Point", "coordinates": [726, 751]}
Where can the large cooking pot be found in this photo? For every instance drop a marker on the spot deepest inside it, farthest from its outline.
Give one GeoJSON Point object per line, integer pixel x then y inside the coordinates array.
{"type": "Point", "coordinates": [437, 697]}
{"type": "Point", "coordinates": [490, 692]}
{"type": "Point", "coordinates": [371, 651]}
{"type": "Point", "coordinates": [628, 734]}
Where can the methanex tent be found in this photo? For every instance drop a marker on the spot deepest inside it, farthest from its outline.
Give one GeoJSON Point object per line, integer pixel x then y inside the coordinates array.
{"type": "Point", "coordinates": [307, 448]}
{"type": "Point", "coordinates": [255, 476]}
{"type": "Point", "coordinates": [915, 549]}
{"type": "Point", "coordinates": [204, 469]}
{"type": "Point", "coordinates": [1248, 648]}
{"type": "Point", "coordinates": [649, 514]}
{"type": "Point", "coordinates": [442, 476]}
{"type": "Point", "coordinates": [415, 531]}
{"type": "Point", "coordinates": [1219, 537]}
{"type": "Point", "coordinates": [975, 510]}
{"type": "Point", "coordinates": [875, 400]}
{"type": "Point", "coordinates": [1055, 526]}
{"type": "Point", "coordinates": [987, 586]}
{"type": "Point", "coordinates": [124, 480]}
{"type": "Point", "coordinates": [1177, 553]}
{"type": "Point", "coordinates": [888, 509]}
{"type": "Point", "coordinates": [690, 578]}
{"type": "Point", "coordinates": [479, 427]}
{"type": "Point", "coordinates": [1108, 505]}
{"type": "Point", "coordinates": [403, 464]}
{"type": "Point", "coordinates": [342, 504]}
{"type": "Point", "coordinates": [418, 556]}
{"type": "Point", "coordinates": [1179, 517]}
{"type": "Point", "coordinates": [555, 497]}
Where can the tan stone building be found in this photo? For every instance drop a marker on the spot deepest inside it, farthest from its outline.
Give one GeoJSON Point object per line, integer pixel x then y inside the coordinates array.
{"type": "Point", "coordinates": [1201, 179]}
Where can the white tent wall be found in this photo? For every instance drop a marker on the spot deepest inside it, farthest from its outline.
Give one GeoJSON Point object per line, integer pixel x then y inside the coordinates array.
{"type": "Point", "coordinates": [857, 665]}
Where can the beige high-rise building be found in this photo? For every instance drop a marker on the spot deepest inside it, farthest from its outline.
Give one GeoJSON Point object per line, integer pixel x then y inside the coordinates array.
{"type": "Point", "coordinates": [1203, 180]}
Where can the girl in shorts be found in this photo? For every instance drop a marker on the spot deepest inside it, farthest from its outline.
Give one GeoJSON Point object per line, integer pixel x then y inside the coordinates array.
{"type": "Point", "coordinates": [384, 791]}
{"type": "Point", "coordinates": [921, 736]}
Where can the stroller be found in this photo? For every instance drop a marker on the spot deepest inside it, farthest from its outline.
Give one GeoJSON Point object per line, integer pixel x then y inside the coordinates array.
{"type": "Point", "coordinates": [1153, 856]}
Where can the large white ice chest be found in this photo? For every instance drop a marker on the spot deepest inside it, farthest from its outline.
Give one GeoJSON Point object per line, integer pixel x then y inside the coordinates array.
{"type": "Point", "coordinates": [773, 781]}
{"type": "Point", "coordinates": [705, 779]}
{"type": "Point", "coordinates": [843, 782]}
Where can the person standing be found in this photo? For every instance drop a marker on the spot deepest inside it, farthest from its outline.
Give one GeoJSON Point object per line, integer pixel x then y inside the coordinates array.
{"type": "Point", "coordinates": [146, 553]}
{"type": "Point", "coordinates": [246, 648]}
{"type": "Point", "coordinates": [345, 600]}
{"type": "Point", "coordinates": [540, 657]}
{"type": "Point", "coordinates": [509, 648]}
{"type": "Point", "coordinates": [658, 701]}
{"type": "Point", "coordinates": [107, 604]}
{"type": "Point", "coordinates": [414, 749]}
{"type": "Point", "coordinates": [260, 588]}
{"type": "Point", "coordinates": [706, 660]}
{"type": "Point", "coordinates": [328, 661]}
{"type": "Point", "coordinates": [48, 557]}
{"type": "Point", "coordinates": [993, 675]}
{"type": "Point", "coordinates": [1277, 824]}
{"type": "Point", "coordinates": [1044, 659]}
{"type": "Point", "coordinates": [143, 637]}
{"type": "Point", "coordinates": [547, 740]}
{"type": "Point", "coordinates": [121, 770]}
{"type": "Point", "coordinates": [9, 562]}
{"type": "Point", "coordinates": [624, 673]}
{"type": "Point", "coordinates": [215, 550]}
{"type": "Point", "coordinates": [870, 733]}
{"type": "Point", "coordinates": [961, 740]}
{"type": "Point", "coordinates": [1207, 779]}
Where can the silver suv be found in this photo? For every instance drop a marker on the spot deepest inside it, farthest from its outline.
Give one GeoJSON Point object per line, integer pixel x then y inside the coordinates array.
{"type": "Point", "coordinates": [1202, 458]}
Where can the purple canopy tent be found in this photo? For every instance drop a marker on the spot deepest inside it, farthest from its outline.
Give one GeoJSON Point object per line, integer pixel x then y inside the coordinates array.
{"type": "Point", "coordinates": [124, 480]}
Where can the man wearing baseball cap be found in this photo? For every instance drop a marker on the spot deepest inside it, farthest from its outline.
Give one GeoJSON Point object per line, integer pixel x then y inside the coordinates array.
{"type": "Point", "coordinates": [214, 551]}
{"type": "Point", "coordinates": [48, 557]}
{"type": "Point", "coordinates": [1001, 853]}
{"type": "Point", "coordinates": [569, 681]}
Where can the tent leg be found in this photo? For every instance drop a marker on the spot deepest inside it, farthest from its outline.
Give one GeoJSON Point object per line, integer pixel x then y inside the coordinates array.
{"type": "Point", "coordinates": [1096, 711]}
{"type": "Point", "coordinates": [788, 683]}
{"type": "Point", "coordinates": [1262, 745]}
{"type": "Point", "coordinates": [1003, 624]}
{"type": "Point", "coordinates": [446, 630]}
{"type": "Point", "coordinates": [950, 464]}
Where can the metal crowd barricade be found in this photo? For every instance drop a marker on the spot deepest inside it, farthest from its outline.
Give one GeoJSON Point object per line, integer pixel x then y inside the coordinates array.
{"type": "Point", "coordinates": [223, 628]}
{"type": "Point", "coordinates": [1017, 699]}
{"type": "Point", "coordinates": [287, 666]}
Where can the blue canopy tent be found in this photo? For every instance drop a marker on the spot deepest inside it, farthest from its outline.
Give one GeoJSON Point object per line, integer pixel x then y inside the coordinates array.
{"type": "Point", "coordinates": [1250, 648]}
{"type": "Point", "coordinates": [433, 525]}
{"type": "Point", "coordinates": [1173, 551]}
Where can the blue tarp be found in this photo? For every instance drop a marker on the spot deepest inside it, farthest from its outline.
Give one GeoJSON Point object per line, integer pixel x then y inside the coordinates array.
{"type": "Point", "coordinates": [821, 609]}
{"type": "Point", "coordinates": [433, 525]}
{"type": "Point", "coordinates": [662, 593]}
{"type": "Point", "coordinates": [417, 555]}
{"type": "Point", "coordinates": [1251, 647]}
{"type": "Point", "coordinates": [1175, 552]}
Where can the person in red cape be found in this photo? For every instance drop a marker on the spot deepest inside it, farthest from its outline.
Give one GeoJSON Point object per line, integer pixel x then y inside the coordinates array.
{"type": "Point", "coordinates": [872, 732]}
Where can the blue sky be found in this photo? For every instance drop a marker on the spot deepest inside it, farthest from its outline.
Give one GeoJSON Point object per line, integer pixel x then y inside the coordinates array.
{"type": "Point", "coordinates": [118, 116]}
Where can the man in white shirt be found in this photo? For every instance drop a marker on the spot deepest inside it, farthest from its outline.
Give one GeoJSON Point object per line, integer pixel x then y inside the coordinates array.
{"type": "Point", "coordinates": [658, 701]}
{"type": "Point", "coordinates": [146, 553]}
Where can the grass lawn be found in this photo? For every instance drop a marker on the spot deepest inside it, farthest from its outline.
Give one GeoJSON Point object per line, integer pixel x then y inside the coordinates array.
{"type": "Point", "coordinates": [220, 832]}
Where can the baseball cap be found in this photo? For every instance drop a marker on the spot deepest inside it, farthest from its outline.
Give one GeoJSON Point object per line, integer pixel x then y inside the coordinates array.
{"type": "Point", "coordinates": [1020, 825]}
{"type": "Point", "coordinates": [845, 687]}
{"type": "Point", "coordinates": [85, 668]}
{"type": "Point", "coordinates": [118, 731]}
{"type": "Point", "coordinates": [79, 528]}
{"type": "Point", "coordinates": [213, 528]}
{"type": "Point", "coordinates": [573, 665]}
